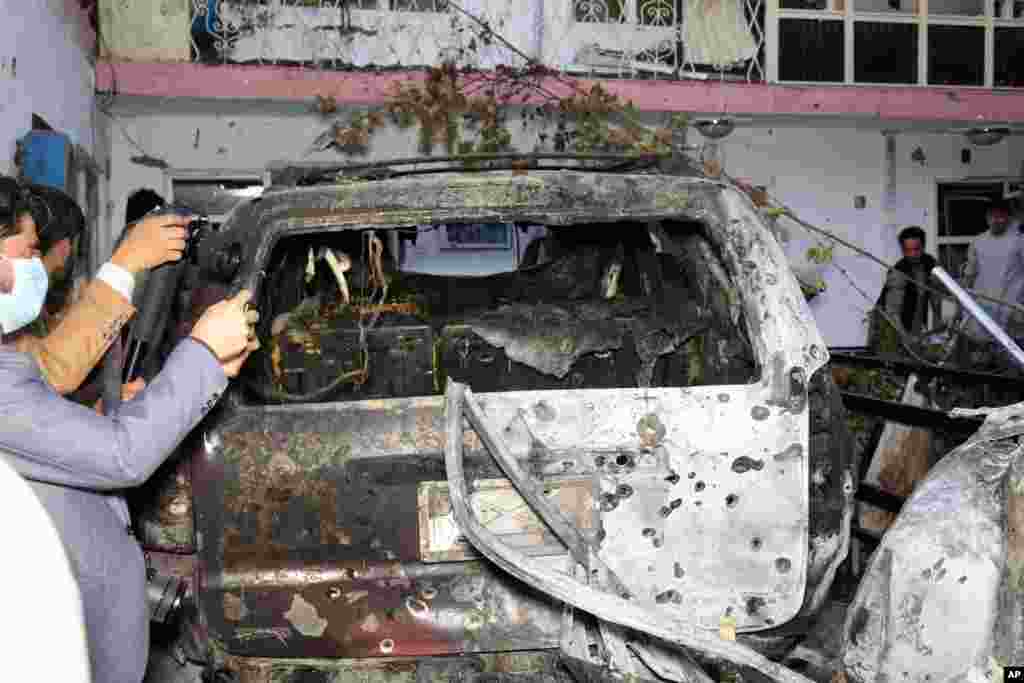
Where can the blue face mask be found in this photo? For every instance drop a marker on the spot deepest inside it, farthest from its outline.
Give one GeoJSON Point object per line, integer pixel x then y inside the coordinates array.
{"type": "Point", "coordinates": [25, 301]}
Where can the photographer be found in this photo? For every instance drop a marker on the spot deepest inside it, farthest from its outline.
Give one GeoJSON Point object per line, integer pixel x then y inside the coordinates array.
{"type": "Point", "coordinates": [68, 342]}
{"type": "Point", "coordinates": [78, 461]}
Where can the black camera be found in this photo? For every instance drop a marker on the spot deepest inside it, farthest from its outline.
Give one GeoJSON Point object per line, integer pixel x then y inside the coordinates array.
{"type": "Point", "coordinates": [195, 231]}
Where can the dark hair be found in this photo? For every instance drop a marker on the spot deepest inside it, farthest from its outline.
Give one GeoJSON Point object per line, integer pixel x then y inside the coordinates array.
{"type": "Point", "coordinates": [56, 214]}
{"type": "Point", "coordinates": [140, 203]}
{"type": "Point", "coordinates": [14, 202]}
{"type": "Point", "coordinates": [912, 232]}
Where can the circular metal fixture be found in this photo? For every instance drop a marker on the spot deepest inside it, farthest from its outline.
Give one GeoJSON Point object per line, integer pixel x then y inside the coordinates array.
{"type": "Point", "coordinates": [983, 137]}
{"type": "Point", "coordinates": [715, 129]}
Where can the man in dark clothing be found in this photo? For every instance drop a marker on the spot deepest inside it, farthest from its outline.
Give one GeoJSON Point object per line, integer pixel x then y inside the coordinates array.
{"type": "Point", "coordinates": [904, 297]}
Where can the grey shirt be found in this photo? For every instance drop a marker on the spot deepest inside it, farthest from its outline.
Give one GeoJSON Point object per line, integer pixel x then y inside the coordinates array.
{"type": "Point", "coordinates": [79, 462]}
{"type": "Point", "coordinates": [991, 270]}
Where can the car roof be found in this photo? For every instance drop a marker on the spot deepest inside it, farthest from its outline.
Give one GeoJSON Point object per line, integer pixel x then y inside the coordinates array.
{"type": "Point", "coordinates": [292, 174]}
{"type": "Point", "coordinates": [543, 196]}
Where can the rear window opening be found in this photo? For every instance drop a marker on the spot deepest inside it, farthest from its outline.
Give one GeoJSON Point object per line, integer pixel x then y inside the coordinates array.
{"type": "Point", "coordinates": [368, 314]}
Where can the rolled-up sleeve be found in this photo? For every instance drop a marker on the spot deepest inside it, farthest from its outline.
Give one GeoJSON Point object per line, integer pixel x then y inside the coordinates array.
{"type": "Point", "coordinates": [47, 438]}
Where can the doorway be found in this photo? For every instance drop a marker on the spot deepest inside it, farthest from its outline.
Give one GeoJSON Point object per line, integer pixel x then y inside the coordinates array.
{"type": "Point", "coordinates": [961, 217]}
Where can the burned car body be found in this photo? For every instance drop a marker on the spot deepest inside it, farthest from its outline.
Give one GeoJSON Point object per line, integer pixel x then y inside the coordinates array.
{"type": "Point", "coordinates": [659, 378]}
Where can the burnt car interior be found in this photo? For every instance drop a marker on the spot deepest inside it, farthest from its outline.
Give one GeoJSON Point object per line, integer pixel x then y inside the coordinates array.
{"type": "Point", "coordinates": [603, 305]}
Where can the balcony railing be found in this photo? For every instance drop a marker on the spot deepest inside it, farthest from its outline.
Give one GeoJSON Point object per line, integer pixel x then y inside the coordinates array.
{"type": "Point", "coordinates": [977, 43]}
{"type": "Point", "coordinates": [614, 38]}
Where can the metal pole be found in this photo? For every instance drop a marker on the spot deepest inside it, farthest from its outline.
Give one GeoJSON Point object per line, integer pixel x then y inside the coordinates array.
{"type": "Point", "coordinates": [979, 314]}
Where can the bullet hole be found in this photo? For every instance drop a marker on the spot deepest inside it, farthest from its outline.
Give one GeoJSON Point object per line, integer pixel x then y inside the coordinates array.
{"type": "Point", "coordinates": [691, 475]}
{"type": "Point", "coordinates": [962, 579]}
{"type": "Point", "coordinates": [657, 542]}
{"type": "Point", "coordinates": [699, 486]}
{"type": "Point", "coordinates": [599, 460]}
{"type": "Point", "coordinates": [601, 535]}
{"type": "Point", "coordinates": [609, 501]}
{"type": "Point", "coordinates": [416, 606]}
{"type": "Point", "coordinates": [783, 565]}
{"type": "Point", "coordinates": [649, 532]}
{"type": "Point", "coordinates": [678, 571]}
{"type": "Point", "coordinates": [544, 412]}
{"type": "Point", "coordinates": [665, 511]}
{"type": "Point", "coordinates": [624, 491]}
{"type": "Point", "coordinates": [672, 478]}
{"type": "Point", "coordinates": [623, 460]}
{"type": "Point", "coordinates": [754, 604]}
{"type": "Point", "coordinates": [755, 543]}
{"type": "Point", "coordinates": [387, 646]}
{"type": "Point", "coordinates": [731, 500]}
{"type": "Point", "coordinates": [676, 503]}
{"type": "Point", "coordinates": [333, 593]}
{"type": "Point", "coordinates": [744, 464]}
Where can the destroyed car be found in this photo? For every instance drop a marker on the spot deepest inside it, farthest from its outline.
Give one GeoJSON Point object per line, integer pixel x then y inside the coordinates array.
{"type": "Point", "coordinates": [653, 450]}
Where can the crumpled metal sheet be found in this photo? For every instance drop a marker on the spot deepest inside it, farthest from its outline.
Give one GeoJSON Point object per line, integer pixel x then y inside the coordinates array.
{"type": "Point", "coordinates": [655, 337]}
{"type": "Point", "coordinates": [549, 338]}
{"type": "Point", "coordinates": [929, 605]}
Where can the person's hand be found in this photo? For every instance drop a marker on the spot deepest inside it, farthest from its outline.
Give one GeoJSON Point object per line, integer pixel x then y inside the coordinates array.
{"type": "Point", "coordinates": [227, 329]}
{"type": "Point", "coordinates": [6, 276]}
{"type": "Point", "coordinates": [56, 258]}
{"type": "Point", "coordinates": [128, 392]}
{"type": "Point", "coordinates": [151, 242]}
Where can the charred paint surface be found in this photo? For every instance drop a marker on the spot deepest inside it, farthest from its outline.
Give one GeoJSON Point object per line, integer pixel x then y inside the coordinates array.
{"type": "Point", "coordinates": [518, 667]}
{"type": "Point", "coordinates": [311, 551]}
{"type": "Point", "coordinates": [386, 610]}
{"type": "Point", "coordinates": [320, 501]}
{"type": "Point", "coordinates": [162, 508]}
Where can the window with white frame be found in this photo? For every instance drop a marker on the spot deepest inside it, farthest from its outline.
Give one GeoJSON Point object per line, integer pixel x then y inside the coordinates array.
{"type": "Point", "coordinates": [961, 218]}
{"type": "Point", "coordinates": [904, 42]}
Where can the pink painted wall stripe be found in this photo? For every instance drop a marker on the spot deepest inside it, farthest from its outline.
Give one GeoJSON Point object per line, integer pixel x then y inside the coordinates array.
{"type": "Point", "coordinates": [366, 88]}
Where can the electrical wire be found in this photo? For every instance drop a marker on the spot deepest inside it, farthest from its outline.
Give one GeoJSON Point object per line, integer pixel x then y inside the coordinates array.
{"type": "Point", "coordinates": [788, 213]}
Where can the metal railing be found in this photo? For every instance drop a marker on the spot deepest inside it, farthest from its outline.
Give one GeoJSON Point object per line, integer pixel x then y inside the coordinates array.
{"type": "Point", "coordinates": [609, 38]}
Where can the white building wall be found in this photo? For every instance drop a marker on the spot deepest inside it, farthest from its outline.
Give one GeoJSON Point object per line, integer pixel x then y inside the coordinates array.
{"type": "Point", "coordinates": [818, 171]}
{"type": "Point", "coordinates": [50, 46]}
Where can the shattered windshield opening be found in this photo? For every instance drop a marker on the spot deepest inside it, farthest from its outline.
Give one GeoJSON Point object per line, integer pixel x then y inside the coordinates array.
{"type": "Point", "coordinates": [390, 313]}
